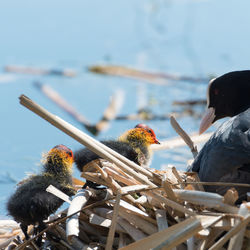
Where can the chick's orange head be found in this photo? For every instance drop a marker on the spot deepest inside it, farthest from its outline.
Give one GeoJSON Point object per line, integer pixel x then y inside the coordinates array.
{"type": "Point", "coordinates": [61, 153]}
{"type": "Point", "coordinates": [150, 134]}
{"type": "Point", "coordinates": [141, 134]}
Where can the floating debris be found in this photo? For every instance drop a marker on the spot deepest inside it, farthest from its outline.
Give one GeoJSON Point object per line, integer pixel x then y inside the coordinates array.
{"type": "Point", "coordinates": [149, 77]}
{"type": "Point", "coordinates": [109, 113]}
{"type": "Point", "coordinates": [39, 71]}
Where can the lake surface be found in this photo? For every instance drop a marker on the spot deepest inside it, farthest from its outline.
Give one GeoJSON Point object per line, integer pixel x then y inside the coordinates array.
{"type": "Point", "coordinates": [191, 38]}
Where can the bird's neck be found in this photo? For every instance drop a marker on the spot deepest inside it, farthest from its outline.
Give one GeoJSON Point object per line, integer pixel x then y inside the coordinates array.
{"type": "Point", "coordinates": [140, 147]}
{"type": "Point", "coordinates": [57, 171]}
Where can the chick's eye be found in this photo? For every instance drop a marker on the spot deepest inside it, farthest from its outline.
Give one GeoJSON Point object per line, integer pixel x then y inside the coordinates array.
{"type": "Point", "coordinates": [70, 154]}
{"type": "Point", "coordinates": [150, 131]}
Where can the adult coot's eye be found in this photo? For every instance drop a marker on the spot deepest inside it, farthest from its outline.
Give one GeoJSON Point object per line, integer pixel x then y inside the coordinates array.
{"type": "Point", "coordinates": [216, 91]}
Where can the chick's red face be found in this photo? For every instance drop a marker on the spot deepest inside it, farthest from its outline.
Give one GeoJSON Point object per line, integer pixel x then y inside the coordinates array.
{"type": "Point", "coordinates": [64, 149]}
{"type": "Point", "coordinates": [153, 136]}
{"type": "Point", "coordinates": [61, 152]}
{"type": "Point", "coordinates": [150, 133]}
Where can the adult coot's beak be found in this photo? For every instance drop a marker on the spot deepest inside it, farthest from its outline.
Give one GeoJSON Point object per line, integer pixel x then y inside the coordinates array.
{"type": "Point", "coordinates": [207, 120]}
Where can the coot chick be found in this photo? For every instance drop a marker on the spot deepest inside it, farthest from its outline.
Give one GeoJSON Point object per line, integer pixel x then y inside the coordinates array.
{"type": "Point", "coordinates": [31, 204]}
{"type": "Point", "coordinates": [226, 155]}
{"type": "Point", "coordinates": [133, 144]}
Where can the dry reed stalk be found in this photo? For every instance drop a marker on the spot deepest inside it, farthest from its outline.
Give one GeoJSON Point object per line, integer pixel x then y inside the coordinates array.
{"type": "Point", "coordinates": [208, 221]}
{"type": "Point", "coordinates": [231, 196]}
{"type": "Point", "coordinates": [112, 183]}
{"type": "Point", "coordinates": [184, 136]}
{"type": "Point", "coordinates": [133, 188]}
{"type": "Point", "coordinates": [101, 221]}
{"type": "Point", "coordinates": [95, 146]}
{"type": "Point", "coordinates": [150, 77]}
{"type": "Point", "coordinates": [72, 223]}
{"type": "Point", "coordinates": [200, 198]}
{"type": "Point", "coordinates": [168, 189]}
{"type": "Point", "coordinates": [236, 241]}
{"type": "Point", "coordinates": [135, 233]}
{"type": "Point", "coordinates": [215, 233]}
{"type": "Point", "coordinates": [58, 193]}
{"type": "Point", "coordinates": [112, 173]}
{"type": "Point", "coordinates": [122, 241]}
{"type": "Point", "coordinates": [178, 177]}
{"type": "Point", "coordinates": [168, 238]}
{"type": "Point", "coordinates": [207, 183]}
{"type": "Point", "coordinates": [108, 115]}
{"type": "Point", "coordinates": [171, 203]}
{"type": "Point", "coordinates": [144, 225]}
{"type": "Point", "coordinates": [161, 219]}
{"type": "Point", "coordinates": [39, 71]}
{"type": "Point", "coordinates": [94, 177]}
{"type": "Point", "coordinates": [112, 228]}
{"type": "Point", "coordinates": [62, 103]}
{"type": "Point", "coordinates": [111, 111]}
{"type": "Point", "coordinates": [125, 205]}
{"type": "Point", "coordinates": [231, 233]}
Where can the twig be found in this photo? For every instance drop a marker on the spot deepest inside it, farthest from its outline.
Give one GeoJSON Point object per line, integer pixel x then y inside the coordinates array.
{"type": "Point", "coordinates": [53, 190]}
{"type": "Point", "coordinates": [236, 241]}
{"type": "Point", "coordinates": [206, 183]}
{"type": "Point", "coordinates": [171, 203]}
{"type": "Point", "coordinates": [168, 238]}
{"type": "Point", "coordinates": [39, 71]}
{"type": "Point", "coordinates": [113, 224]}
{"type": "Point", "coordinates": [178, 177]}
{"type": "Point", "coordinates": [231, 233]}
{"type": "Point", "coordinates": [184, 136]}
{"type": "Point", "coordinates": [111, 111]}
{"type": "Point", "coordinates": [72, 224]}
{"type": "Point", "coordinates": [62, 103]}
{"type": "Point", "coordinates": [190, 102]}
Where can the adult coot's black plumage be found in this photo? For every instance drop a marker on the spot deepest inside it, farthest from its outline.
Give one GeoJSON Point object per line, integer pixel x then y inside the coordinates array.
{"type": "Point", "coordinates": [226, 155]}
{"type": "Point", "coordinates": [31, 204]}
{"type": "Point", "coordinates": [133, 144]}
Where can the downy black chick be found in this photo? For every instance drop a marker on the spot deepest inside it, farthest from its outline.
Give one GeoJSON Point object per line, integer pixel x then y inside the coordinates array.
{"type": "Point", "coordinates": [133, 144]}
{"type": "Point", "coordinates": [31, 203]}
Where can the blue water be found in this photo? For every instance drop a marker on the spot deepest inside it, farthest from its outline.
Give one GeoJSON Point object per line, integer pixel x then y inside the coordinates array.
{"type": "Point", "coordinates": [195, 38]}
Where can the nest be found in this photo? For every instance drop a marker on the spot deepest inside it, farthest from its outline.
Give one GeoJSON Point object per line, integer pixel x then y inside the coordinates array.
{"type": "Point", "coordinates": [173, 211]}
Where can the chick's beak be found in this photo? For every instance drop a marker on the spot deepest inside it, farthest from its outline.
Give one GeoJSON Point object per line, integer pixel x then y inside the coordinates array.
{"type": "Point", "coordinates": [207, 120]}
{"type": "Point", "coordinates": [156, 141]}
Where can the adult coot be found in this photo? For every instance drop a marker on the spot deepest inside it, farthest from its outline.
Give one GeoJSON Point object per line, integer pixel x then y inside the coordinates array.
{"type": "Point", "coordinates": [226, 155]}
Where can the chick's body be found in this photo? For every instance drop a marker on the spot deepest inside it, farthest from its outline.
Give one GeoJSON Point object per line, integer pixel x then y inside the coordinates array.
{"type": "Point", "coordinates": [31, 204]}
{"type": "Point", "coordinates": [133, 144]}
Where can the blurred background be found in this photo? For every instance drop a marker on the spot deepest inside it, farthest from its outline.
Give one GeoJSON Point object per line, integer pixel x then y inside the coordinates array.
{"type": "Point", "coordinates": [174, 46]}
